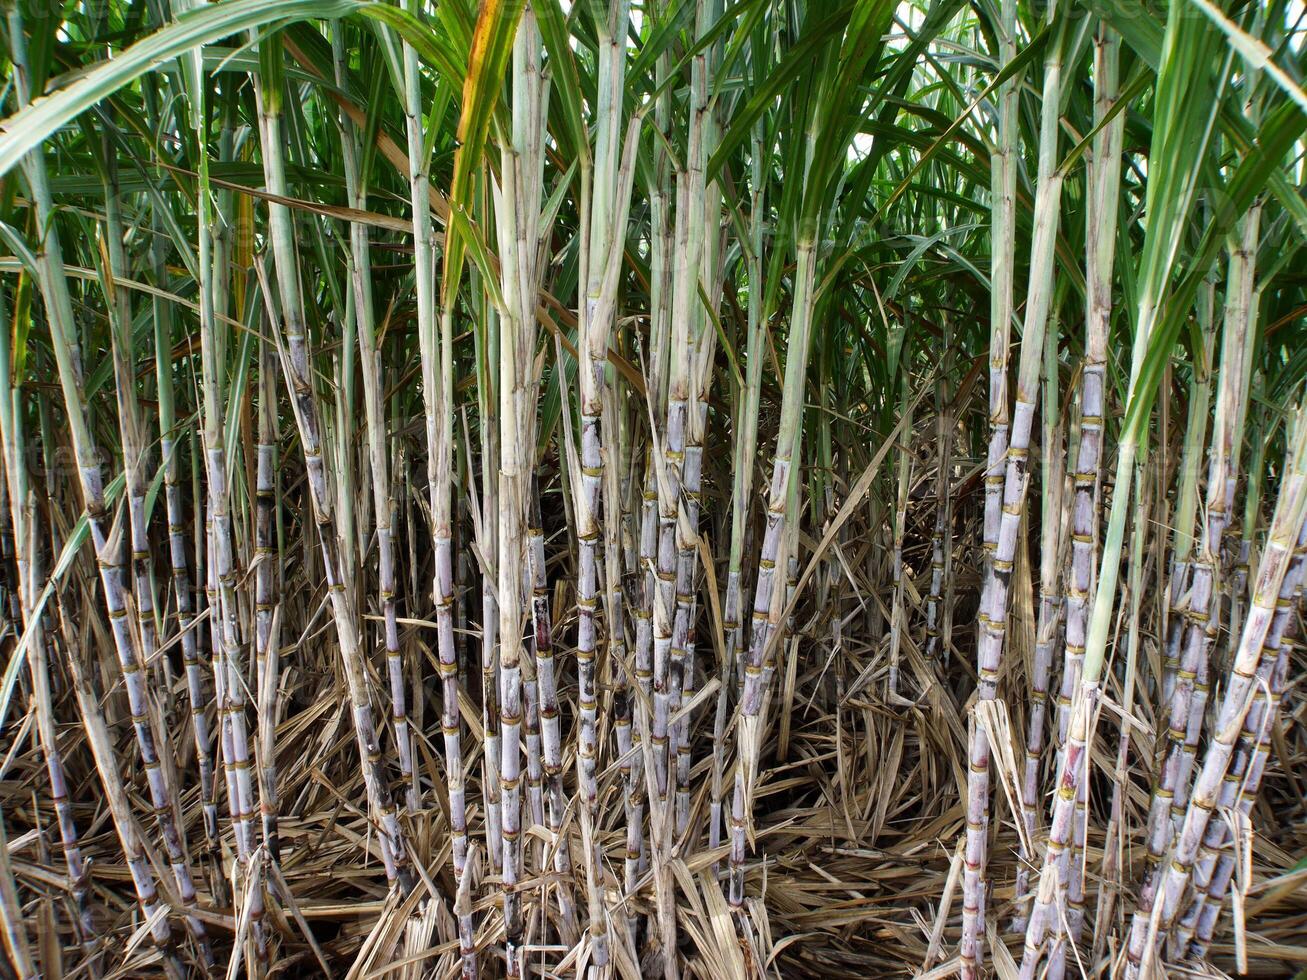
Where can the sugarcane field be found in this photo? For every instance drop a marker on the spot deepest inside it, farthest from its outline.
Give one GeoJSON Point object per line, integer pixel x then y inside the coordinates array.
{"type": "Point", "coordinates": [716, 489]}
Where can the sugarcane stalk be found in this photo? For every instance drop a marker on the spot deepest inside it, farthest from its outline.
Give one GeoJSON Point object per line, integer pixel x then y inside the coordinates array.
{"type": "Point", "coordinates": [1186, 707]}
{"type": "Point", "coordinates": [1242, 308]}
{"type": "Point", "coordinates": [136, 662]}
{"type": "Point", "coordinates": [944, 426]}
{"type": "Point", "coordinates": [1224, 870]}
{"type": "Point", "coordinates": [304, 403]}
{"type": "Point", "coordinates": [487, 404]}
{"type": "Point", "coordinates": [79, 882]}
{"type": "Point", "coordinates": [436, 351]}
{"type": "Point", "coordinates": [1104, 183]}
{"type": "Point", "coordinates": [1271, 587]}
{"type": "Point", "coordinates": [360, 268]}
{"type": "Point", "coordinates": [229, 687]}
{"type": "Point", "coordinates": [766, 593]}
{"type": "Point", "coordinates": [1091, 427]}
{"type": "Point", "coordinates": [670, 604]}
{"type": "Point", "coordinates": [615, 677]}
{"type": "Point", "coordinates": [22, 513]}
{"type": "Point", "coordinates": [104, 533]}
{"type": "Point", "coordinates": [535, 773]}
{"type": "Point", "coordinates": [1115, 835]}
{"type": "Point", "coordinates": [1200, 396]}
{"type": "Point", "coordinates": [699, 278]}
{"type": "Point", "coordinates": [181, 582]}
{"type": "Point", "coordinates": [1003, 171]}
{"type": "Point", "coordinates": [512, 506]}
{"type": "Point", "coordinates": [635, 791]}
{"type": "Point", "coordinates": [516, 203]}
{"type": "Point", "coordinates": [226, 725]}
{"type": "Point", "coordinates": [547, 687]}
{"type": "Point", "coordinates": [662, 242]}
{"type": "Point", "coordinates": [898, 613]}
{"type": "Point", "coordinates": [606, 188]}
{"type": "Point", "coordinates": [1238, 589]}
{"type": "Point", "coordinates": [130, 423]}
{"type": "Point", "coordinates": [1002, 529]}
{"type": "Point", "coordinates": [1242, 301]}
{"type": "Point", "coordinates": [101, 745]}
{"type": "Point", "coordinates": [1214, 863]}
{"type": "Point", "coordinates": [1050, 618]}
{"type": "Point", "coordinates": [267, 642]}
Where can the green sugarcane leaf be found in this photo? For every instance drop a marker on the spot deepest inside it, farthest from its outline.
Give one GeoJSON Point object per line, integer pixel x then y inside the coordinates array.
{"type": "Point", "coordinates": [22, 329]}
{"type": "Point", "coordinates": [796, 61]}
{"type": "Point", "coordinates": [563, 70]}
{"type": "Point", "coordinates": [1010, 70]}
{"type": "Point", "coordinates": [29, 127]}
{"type": "Point", "coordinates": [492, 44]}
{"type": "Point", "coordinates": [1277, 136]}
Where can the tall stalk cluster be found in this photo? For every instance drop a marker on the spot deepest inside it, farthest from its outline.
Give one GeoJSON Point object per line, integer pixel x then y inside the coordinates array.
{"type": "Point", "coordinates": [608, 488]}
